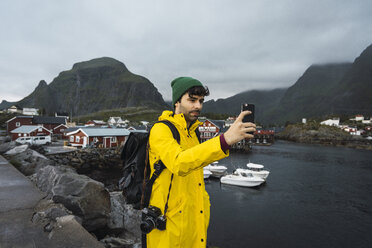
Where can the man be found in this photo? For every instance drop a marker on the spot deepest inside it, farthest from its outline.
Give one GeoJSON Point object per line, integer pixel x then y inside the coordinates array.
{"type": "Point", "coordinates": [183, 192]}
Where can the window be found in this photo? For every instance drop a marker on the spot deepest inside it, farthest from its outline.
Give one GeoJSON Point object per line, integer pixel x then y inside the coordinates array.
{"type": "Point", "coordinates": [42, 138]}
{"type": "Point", "coordinates": [18, 124]}
{"type": "Point", "coordinates": [113, 139]}
{"type": "Point", "coordinates": [19, 135]}
{"type": "Point", "coordinates": [77, 139]}
{"type": "Point", "coordinates": [40, 129]}
{"type": "Point", "coordinates": [24, 135]}
{"type": "Point", "coordinates": [71, 138]}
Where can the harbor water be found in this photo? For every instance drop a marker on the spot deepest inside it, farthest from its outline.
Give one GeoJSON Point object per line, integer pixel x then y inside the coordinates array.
{"type": "Point", "coordinates": [315, 196]}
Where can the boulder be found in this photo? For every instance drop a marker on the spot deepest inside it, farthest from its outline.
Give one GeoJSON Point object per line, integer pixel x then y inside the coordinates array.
{"type": "Point", "coordinates": [70, 233]}
{"type": "Point", "coordinates": [113, 242]}
{"type": "Point", "coordinates": [117, 210]}
{"type": "Point", "coordinates": [85, 197]}
{"type": "Point", "coordinates": [47, 212]}
{"type": "Point", "coordinates": [132, 220]}
{"type": "Point", "coordinates": [28, 161]}
{"type": "Point", "coordinates": [7, 146]}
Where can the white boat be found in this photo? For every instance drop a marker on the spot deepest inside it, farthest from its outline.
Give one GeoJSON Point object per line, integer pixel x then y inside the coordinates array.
{"type": "Point", "coordinates": [217, 170]}
{"type": "Point", "coordinates": [257, 170]}
{"type": "Point", "coordinates": [240, 178]}
{"type": "Point", "coordinates": [206, 173]}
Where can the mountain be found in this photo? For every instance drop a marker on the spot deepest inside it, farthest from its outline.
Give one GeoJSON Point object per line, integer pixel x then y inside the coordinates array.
{"type": "Point", "coordinates": [306, 97]}
{"type": "Point", "coordinates": [322, 90]}
{"type": "Point", "coordinates": [264, 100]}
{"type": "Point", "coordinates": [91, 86]}
{"type": "Point", "coordinates": [354, 91]}
{"type": "Point", "coordinates": [5, 104]}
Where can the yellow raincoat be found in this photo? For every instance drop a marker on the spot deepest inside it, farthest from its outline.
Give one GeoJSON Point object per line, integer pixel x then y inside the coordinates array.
{"type": "Point", "coordinates": [188, 206]}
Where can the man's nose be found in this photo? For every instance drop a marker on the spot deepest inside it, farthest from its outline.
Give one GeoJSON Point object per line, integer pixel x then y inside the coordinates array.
{"type": "Point", "coordinates": [198, 105]}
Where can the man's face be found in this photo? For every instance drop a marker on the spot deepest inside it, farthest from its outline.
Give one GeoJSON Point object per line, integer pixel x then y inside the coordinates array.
{"type": "Point", "coordinates": [190, 107]}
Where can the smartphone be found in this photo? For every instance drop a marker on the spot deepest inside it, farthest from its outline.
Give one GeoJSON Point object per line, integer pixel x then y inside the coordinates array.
{"type": "Point", "coordinates": [250, 107]}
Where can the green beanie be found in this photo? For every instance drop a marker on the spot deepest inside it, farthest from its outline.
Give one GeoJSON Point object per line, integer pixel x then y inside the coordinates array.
{"type": "Point", "coordinates": [181, 85]}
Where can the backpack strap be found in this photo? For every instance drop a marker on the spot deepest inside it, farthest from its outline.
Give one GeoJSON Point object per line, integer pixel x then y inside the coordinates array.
{"type": "Point", "coordinates": [198, 134]}
{"type": "Point", "coordinates": [159, 167]}
{"type": "Point", "coordinates": [176, 134]}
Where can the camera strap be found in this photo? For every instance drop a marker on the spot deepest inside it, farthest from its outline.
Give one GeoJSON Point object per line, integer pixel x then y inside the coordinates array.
{"type": "Point", "coordinates": [170, 187]}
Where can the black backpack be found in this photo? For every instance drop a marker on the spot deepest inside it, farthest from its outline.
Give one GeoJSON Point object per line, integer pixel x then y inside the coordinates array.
{"type": "Point", "coordinates": [136, 183]}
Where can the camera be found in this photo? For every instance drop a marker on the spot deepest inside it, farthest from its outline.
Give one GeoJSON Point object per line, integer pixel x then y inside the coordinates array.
{"type": "Point", "coordinates": [152, 218]}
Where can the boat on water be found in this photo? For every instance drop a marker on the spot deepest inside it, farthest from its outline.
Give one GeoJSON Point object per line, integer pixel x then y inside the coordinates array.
{"type": "Point", "coordinates": [216, 170]}
{"type": "Point", "coordinates": [207, 173]}
{"type": "Point", "coordinates": [256, 170]}
{"type": "Point", "coordinates": [243, 179]}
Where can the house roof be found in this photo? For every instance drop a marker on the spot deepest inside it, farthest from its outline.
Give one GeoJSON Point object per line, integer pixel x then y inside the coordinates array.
{"type": "Point", "coordinates": [60, 125]}
{"type": "Point", "coordinates": [94, 132]}
{"type": "Point", "coordinates": [49, 120]}
{"type": "Point", "coordinates": [218, 123]}
{"type": "Point", "coordinates": [19, 117]}
{"type": "Point", "coordinates": [27, 129]}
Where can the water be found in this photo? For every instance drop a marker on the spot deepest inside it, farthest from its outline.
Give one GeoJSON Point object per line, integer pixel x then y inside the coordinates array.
{"type": "Point", "coordinates": [315, 196]}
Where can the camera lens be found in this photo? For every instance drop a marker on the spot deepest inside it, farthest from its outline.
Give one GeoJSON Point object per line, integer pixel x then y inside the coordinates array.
{"type": "Point", "coordinates": [147, 225]}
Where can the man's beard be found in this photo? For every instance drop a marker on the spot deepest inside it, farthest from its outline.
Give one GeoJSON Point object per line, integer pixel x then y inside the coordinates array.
{"type": "Point", "coordinates": [192, 118]}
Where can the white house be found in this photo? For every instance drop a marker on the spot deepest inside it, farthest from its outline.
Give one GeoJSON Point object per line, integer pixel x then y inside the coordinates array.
{"type": "Point", "coordinates": [331, 122]}
{"type": "Point", "coordinates": [30, 111]}
{"type": "Point", "coordinates": [358, 118]}
{"type": "Point", "coordinates": [117, 122]}
{"type": "Point", "coordinates": [15, 109]}
{"type": "Point", "coordinates": [367, 121]}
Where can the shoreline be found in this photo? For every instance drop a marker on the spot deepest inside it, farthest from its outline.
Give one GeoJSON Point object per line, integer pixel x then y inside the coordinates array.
{"type": "Point", "coordinates": [335, 143]}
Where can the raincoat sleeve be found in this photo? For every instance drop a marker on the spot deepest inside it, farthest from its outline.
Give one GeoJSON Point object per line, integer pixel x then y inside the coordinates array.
{"type": "Point", "coordinates": [179, 161]}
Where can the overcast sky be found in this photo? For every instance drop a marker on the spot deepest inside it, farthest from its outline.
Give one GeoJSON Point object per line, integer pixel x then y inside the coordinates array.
{"type": "Point", "coordinates": [231, 46]}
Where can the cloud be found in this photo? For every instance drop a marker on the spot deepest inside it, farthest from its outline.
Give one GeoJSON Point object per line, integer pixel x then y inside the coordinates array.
{"type": "Point", "coordinates": [230, 46]}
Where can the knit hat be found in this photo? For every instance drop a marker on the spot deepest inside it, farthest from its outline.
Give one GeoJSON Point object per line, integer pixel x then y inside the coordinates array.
{"type": "Point", "coordinates": [181, 85]}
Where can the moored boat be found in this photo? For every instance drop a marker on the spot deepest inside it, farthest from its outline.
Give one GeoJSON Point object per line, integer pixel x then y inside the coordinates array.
{"type": "Point", "coordinates": [206, 173]}
{"type": "Point", "coordinates": [217, 170]}
{"type": "Point", "coordinates": [257, 170]}
{"type": "Point", "coordinates": [240, 178]}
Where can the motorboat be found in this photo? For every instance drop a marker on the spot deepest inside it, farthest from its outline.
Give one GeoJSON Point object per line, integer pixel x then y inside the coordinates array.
{"type": "Point", "coordinates": [206, 173]}
{"type": "Point", "coordinates": [257, 170]}
{"type": "Point", "coordinates": [243, 179]}
{"type": "Point", "coordinates": [217, 170]}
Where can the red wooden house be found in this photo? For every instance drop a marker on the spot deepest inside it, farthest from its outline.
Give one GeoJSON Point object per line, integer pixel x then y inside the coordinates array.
{"type": "Point", "coordinates": [107, 137]}
{"type": "Point", "coordinates": [29, 131]}
{"type": "Point", "coordinates": [18, 121]}
{"type": "Point", "coordinates": [59, 131]}
{"type": "Point", "coordinates": [210, 129]}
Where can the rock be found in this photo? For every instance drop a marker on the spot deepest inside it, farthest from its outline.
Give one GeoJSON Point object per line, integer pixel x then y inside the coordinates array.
{"type": "Point", "coordinates": [85, 197]}
{"type": "Point", "coordinates": [132, 220]}
{"type": "Point", "coordinates": [72, 234]}
{"type": "Point", "coordinates": [17, 149]}
{"type": "Point", "coordinates": [112, 242]}
{"type": "Point", "coordinates": [47, 211]}
{"type": "Point", "coordinates": [117, 210]}
{"type": "Point", "coordinates": [29, 161]}
{"type": "Point", "coordinates": [7, 146]}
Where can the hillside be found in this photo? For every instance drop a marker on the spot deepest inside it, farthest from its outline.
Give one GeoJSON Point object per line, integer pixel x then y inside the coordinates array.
{"type": "Point", "coordinates": [305, 98]}
{"type": "Point", "coordinates": [322, 90]}
{"type": "Point", "coordinates": [354, 91]}
{"type": "Point", "coordinates": [92, 86]}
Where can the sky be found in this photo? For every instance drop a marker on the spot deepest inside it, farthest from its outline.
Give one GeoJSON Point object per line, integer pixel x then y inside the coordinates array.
{"type": "Point", "coordinates": [230, 46]}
